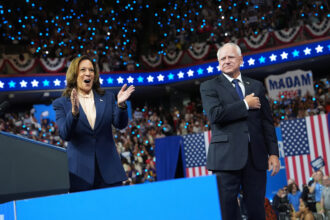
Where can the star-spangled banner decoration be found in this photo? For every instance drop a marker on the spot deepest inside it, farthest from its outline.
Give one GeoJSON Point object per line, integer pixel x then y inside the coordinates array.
{"type": "Point", "coordinates": [195, 151]}
{"type": "Point", "coordinates": [304, 140]}
{"type": "Point", "coordinates": [57, 81]}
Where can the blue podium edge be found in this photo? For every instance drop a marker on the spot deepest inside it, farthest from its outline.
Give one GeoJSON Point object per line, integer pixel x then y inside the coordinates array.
{"type": "Point", "coordinates": [187, 198]}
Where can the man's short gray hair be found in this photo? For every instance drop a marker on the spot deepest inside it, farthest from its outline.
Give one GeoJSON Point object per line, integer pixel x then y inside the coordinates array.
{"type": "Point", "coordinates": [229, 44]}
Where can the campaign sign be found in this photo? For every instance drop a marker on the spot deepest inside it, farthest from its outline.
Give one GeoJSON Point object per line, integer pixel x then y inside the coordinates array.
{"type": "Point", "coordinates": [290, 84]}
{"type": "Point", "coordinates": [318, 163]}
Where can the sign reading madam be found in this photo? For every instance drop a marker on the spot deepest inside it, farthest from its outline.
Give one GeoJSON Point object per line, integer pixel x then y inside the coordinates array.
{"type": "Point", "coordinates": [290, 84]}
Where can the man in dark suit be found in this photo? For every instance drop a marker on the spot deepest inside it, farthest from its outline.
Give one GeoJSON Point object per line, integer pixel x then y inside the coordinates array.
{"type": "Point", "coordinates": [243, 140]}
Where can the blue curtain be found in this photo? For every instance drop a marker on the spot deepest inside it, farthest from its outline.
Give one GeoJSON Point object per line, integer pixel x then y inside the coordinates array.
{"type": "Point", "coordinates": [167, 154]}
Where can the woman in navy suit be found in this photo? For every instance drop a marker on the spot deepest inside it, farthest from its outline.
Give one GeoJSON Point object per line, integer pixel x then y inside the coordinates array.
{"type": "Point", "coordinates": [85, 114]}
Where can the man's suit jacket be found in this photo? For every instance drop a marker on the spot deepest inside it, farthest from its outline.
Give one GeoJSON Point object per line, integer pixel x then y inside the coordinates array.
{"type": "Point", "coordinates": [85, 144]}
{"type": "Point", "coordinates": [233, 126]}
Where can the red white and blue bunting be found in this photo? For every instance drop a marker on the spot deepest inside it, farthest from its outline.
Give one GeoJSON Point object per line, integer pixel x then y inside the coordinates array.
{"type": "Point", "coordinates": [318, 30]}
{"type": "Point", "coordinates": [152, 60]}
{"type": "Point", "coordinates": [287, 35]}
{"type": "Point", "coordinates": [53, 65]}
{"type": "Point", "coordinates": [198, 51]}
{"type": "Point", "coordinates": [21, 63]}
{"type": "Point", "coordinates": [256, 42]}
{"type": "Point", "coordinates": [172, 58]}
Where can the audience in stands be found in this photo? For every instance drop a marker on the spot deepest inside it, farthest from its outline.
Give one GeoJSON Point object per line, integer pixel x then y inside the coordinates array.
{"type": "Point", "coordinates": [109, 31]}
{"type": "Point", "coordinates": [183, 23]}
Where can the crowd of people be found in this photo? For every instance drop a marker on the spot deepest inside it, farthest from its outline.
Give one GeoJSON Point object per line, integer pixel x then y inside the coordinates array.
{"type": "Point", "coordinates": [314, 198]}
{"type": "Point", "coordinates": [110, 31]}
{"type": "Point", "coordinates": [183, 23]}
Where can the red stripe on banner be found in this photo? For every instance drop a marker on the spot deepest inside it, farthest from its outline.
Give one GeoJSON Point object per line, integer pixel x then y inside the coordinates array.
{"type": "Point", "coordinates": [200, 171]}
{"type": "Point", "coordinates": [288, 174]}
{"type": "Point", "coordinates": [287, 170]}
{"type": "Point", "coordinates": [324, 153]}
{"type": "Point", "coordinates": [303, 169]}
{"type": "Point", "coordinates": [309, 164]}
{"type": "Point", "coordinates": [314, 137]}
{"type": "Point", "coordinates": [327, 136]}
{"type": "Point", "coordinates": [187, 172]}
{"type": "Point", "coordinates": [193, 171]}
{"type": "Point", "coordinates": [295, 168]}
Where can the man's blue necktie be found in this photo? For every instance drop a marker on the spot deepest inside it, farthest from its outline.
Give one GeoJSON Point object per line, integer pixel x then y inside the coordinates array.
{"type": "Point", "coordinates": [238, 88]}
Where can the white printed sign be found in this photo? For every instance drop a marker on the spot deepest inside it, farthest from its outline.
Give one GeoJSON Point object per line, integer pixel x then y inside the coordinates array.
{"type": "Point", "coordinates": [290, 84]}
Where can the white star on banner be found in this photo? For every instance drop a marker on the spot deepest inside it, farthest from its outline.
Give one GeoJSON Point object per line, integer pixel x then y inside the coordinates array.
{"type": "Point", "coordinates": [218, 68]}
{"type": "Point", "coordinates": [284, 55]}
{"type": "Point", "coordinates": [101, 81]}
{"type": "Point", "coordinates": [35, 83]}
{"type": "Point", "coordinates": [319, 49]}
{"type": "Point", "coordinates": [190, 73]}
{"type": "Point", "coordinates": [307, 51]}
{"type": "Point", "coordinates": [273, 57]}
{"type": "Point", "coordinates": [180, 75]}
{"type": "Point", "coordinates": [120, 80]}
{"type": "Point", "coordinates": [210, 69]}
{"type": "Point", "coordinates": [160, 77]}
{"type": "Point", "coordinates": [57, 82]}
{"type": "Point", "coordinates": [251, 61]}
{"type": "Point", "coordinates": [241, 65]}
{"type": "Point", "coordinates": [130, 79]}
{"type": "Point", "coordinates": [23, 83]}
{"type": "Point", "coordinates": [1, 84]}
{"type": "Point", "coordinates": [150, 78]}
